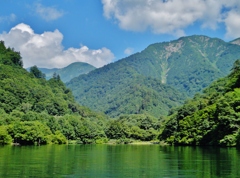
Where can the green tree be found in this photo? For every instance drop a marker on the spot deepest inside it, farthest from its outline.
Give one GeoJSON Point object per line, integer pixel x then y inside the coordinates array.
{"type": "Point", "coordinates": [116, 130]}
{"type": "Point", "coordinates": [36, 72]}
{"type": "Point", "coordinates": [15, 57]}
{"type": "Point", "coordinates": [30, 132]}
{"type": "Point", "coordinates": [66, 128]}
{"type": "Point", "coordinates": [5, 138]}
{"type": "Point", "coordinates": [58, 138]}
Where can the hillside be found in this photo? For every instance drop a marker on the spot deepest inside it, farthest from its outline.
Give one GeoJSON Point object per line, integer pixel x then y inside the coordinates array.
{"type": "Point", "coordinates": [120, 90]}
{"type": "Point", "coordinates": [186, 65]}
{"type": "Point", "coordinates": [69, 72]}
{"type": "Point", "coordinates": [123, 91]}
{"type": "Point", "coordinates": [36, 111]}
{"type": "Point", "coordinates": [211, 118]}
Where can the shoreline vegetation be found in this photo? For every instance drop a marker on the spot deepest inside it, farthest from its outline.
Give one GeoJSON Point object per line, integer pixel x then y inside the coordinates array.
{"type": "Point", "coordinates": [133, 142]}
{"type": "Point", "coordinates": [109, 142]}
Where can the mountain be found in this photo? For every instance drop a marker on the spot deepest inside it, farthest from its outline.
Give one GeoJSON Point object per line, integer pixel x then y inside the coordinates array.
{"type": "Point", "coordinates": [210, 118]}
{"type": "Point", "coordinates": [236, 41]}
{"type": "Point", "coordinates": [67, 73]}
{"type": "Point", "coordinates": [123, 91]}
{"type": "Point", "coordinates": [186, 65]}
{"type": "Point", "coordinates": [47, 72]}
{"type": "Point", "coordinates": [34, 110]}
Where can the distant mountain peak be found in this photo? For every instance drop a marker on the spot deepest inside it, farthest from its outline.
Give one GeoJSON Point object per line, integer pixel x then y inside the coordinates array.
{"type": "Point", "coordinates": [69, 72]}
{"type": "Point", "coordinates": [236, 41]}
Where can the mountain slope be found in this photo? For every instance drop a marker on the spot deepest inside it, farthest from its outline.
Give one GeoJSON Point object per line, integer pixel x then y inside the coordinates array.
{"type": "Point", "coordinates": [188, 65]}
{"type": "Point", "coordinates": [36, 111]}
{"type": "Point", "coordinates": [69, 72]}
{"type": "Point", "coordinates": [211, 118]}
{"type": "Point", "coordinates": [123, 91]}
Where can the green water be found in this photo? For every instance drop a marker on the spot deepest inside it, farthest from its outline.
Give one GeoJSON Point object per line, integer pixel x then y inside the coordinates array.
{"type": "Point", "coordinates": [118, 161]}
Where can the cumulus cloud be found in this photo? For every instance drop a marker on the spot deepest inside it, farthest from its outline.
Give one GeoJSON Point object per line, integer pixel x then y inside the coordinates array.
{"type": "Point", "coordinates": [48, 13]}
{"type": "Point", "coordinates": [46, 50]}
{"type": "Point", "coordinates": [128, 51]}
{"type": "Point", "coordinates": [170, 16]}
{"type": "Point", "coordinates": [232, 24]}
{"type": "Point", "coordinates": [10, 18]}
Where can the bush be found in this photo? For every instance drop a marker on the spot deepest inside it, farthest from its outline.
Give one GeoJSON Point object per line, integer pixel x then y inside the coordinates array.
{"type": "Point", "coordinates": [58, 138]}
{"type": "Point", "coordinates": [5, 138]}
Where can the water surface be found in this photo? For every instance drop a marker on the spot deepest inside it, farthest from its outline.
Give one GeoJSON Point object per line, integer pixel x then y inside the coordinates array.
{"type": "Point", "coordinates": [96, 161]}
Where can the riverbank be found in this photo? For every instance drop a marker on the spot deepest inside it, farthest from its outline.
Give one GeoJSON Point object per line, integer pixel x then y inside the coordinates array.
{"type": "Point", "coordinates": [134, 142]}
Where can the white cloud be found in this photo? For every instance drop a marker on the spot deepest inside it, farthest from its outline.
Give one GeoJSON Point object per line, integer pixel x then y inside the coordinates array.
{"type": "Point", "coordinates": [128, 51]}
{"type": "Point", "coordinates": [97, 58]}
{"type": "Point", "coordinates": [48, 13]}
{"type": "Point", "coordinates": [10, 18]}
{"type": "Point", "coordinates": [170, 16]}
{"type": "Point", "coordinates": [232, 24]}
{"type": "Point", "coordinates": [46, 50]}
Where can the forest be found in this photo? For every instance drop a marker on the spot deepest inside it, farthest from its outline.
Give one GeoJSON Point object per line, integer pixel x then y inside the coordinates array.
{"type": "Point", "coordinates": [34, 110]}
{"type": "Point", "coordinates": [210, 118]}
{"type": "Point", "coordinates": [37, 111]}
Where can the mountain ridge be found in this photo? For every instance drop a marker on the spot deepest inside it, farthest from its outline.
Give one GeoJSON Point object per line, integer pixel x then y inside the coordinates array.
{"type": "Point", "coordinates": [236, 41]}
{"type": "Point", "coordinates": [187, 65]}
{"type": "Point", "coordinates": [69, 72]}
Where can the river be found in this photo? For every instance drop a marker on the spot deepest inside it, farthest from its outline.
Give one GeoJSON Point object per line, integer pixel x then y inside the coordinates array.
{"type": "Point", "coordinates": [103, 161]}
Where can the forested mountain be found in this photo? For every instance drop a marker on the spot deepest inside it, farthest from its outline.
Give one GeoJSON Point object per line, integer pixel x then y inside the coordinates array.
{"type": "Point", "coordinates": [158, 73]}
{"type": "Point", "coordinates": [34, 110]}
{"type": "Point", "coordinates": [123, 91]}
{"type": "Point", "coordinates": [69, 72]}
{"type": "Point", "coordinates": [210, 118]}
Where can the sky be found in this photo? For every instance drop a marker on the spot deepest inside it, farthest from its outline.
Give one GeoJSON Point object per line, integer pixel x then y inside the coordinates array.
{"type": "Point", "coordinates": [54, 34]}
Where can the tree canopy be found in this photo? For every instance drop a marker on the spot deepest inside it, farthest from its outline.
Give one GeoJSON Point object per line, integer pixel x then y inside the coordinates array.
{"type": "Point", "coordinates": [211, 118]}
{"type": "Point", "coordinates": [34, 110]}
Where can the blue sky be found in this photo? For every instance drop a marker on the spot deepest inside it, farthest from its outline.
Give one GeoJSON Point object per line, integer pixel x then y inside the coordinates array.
{"type": "Point", "coordinates": [56, 33]}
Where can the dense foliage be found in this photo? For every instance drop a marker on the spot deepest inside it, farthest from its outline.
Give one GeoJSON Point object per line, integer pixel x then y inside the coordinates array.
{"type": "Point", "coordinates": [36, 111]}
{"type": "Point", "coordinates": [9, 57]}
{"type": "Point", "coordinates": [37, 73]}
{"type": "Point", "coordinates": [134, 127]}
{"type": "Point", "coordinates": [117, 90]}
{"type": "Point", "coordinates": [187, 65]}
{"type": "Point", "coordinates": [211, 118]}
